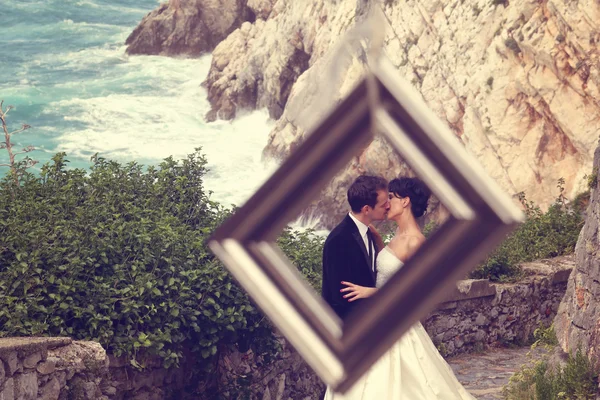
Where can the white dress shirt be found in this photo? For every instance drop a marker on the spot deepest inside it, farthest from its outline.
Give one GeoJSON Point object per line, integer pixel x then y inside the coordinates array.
{"type": "Point", "coordinates": [362, 229]}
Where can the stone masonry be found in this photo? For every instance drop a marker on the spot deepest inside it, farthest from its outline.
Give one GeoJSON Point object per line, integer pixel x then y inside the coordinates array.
{"type": "Point", "coordinates": [50, 369]}
{"type": "Point", "coordinates": [480, 314]}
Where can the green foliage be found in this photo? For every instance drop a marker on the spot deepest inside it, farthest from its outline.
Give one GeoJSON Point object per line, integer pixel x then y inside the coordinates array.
{"type": "Point", "coordinates": [576, 380]}
{"type": "Point", "coordinates": [118, 255]}
{"type": "Point", "coordinates": [544, 336]}
{"type": "Point", "coordinates": [304, 249]}
{"type": "Point", "coordinates": [542, 235]}
{"type": "Point", "coordinates": [430, 228]}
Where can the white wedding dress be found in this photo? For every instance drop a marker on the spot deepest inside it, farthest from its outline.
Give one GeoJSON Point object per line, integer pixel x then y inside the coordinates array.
{"type": "Point", "coordinates": [412, 369]}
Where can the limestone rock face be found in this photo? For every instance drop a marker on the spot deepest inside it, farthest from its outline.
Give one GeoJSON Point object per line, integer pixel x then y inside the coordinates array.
{"type": "Point", "coordinates": [578, 320]}
{"type": "Point", "coordinates": [188, 27]}
{"type": "Point", "coordinates": [517, 82]}
{"type": "Point", "coordinates": [257, 65]}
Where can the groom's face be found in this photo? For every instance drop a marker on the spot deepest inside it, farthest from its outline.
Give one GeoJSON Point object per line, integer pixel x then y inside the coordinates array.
{"type": "Point", "coordinates": [379, 212]}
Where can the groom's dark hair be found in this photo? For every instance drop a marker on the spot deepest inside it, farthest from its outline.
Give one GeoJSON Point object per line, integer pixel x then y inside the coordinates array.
{"type": "Point", "coordinates": [363, 191]}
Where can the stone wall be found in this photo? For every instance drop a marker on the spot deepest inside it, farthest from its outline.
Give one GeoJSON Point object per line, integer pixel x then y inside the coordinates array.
{"type": "Point", "coordinates": [51, 369]}
{"type": "Point", "coordinates": [480, 314]}
{"type": "Point", "coordinates": [63, 369]}
{"type": "Point", "coordinates": [60, 368]}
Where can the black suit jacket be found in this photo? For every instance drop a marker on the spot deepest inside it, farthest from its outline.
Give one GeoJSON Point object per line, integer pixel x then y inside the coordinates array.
{"type": "Point", "coordinates": [345, 259]}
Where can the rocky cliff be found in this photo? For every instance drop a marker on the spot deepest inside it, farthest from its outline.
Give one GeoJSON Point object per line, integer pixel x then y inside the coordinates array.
{"type": "Point", "coordinates": [188, 27]}
{"type": "Point", "coordinates": [578, 319]}
{"type": "Point", "coordinates": [517, 81]}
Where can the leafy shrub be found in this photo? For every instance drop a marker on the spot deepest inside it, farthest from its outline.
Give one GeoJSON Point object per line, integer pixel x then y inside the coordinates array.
{"type": "Point", "coordinates": [118, 255]}
{"type": "Point", "coordinates": [544, 336]}
{"type": "Point", "coordinates": [542, 235]}
{"type": "Point", "coordinates": [304, 249]}
{"type": "Point", "coordinates": [430, 228]}
{"type": "Point", "coordinates": [576, 380]}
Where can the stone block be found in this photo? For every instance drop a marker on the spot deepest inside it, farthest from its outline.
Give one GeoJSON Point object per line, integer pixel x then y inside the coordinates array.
{"type": "Point", "coordinates": [109, 390]}
{"type": "Point", "coordinates": [26, 386]}
{"type": "Point", "coordinates": [480, 336]}
{"type": "Point", "coordinates": [11, 362]}
{"type": "Point", "coordinates": [47, 367]}
{"type": "Point", "coordinates": [8, 390]}
{"type": "Point", "coordinates": [62, 378]}
{"type": "Point", "coordinates": [42, 379]}
{"type": "Point", "coordinates": [32, 360]}
{"type": "Point", "coordinates": [50, 391]}
{"type": "Point", "coordinates": [90, 390]}
{"type": "Point", "coordinates": [471, 289]}
{"type": "Point", "coordinates": [481, 320]}
{"type": "Point", "coordinates": [2, 373]}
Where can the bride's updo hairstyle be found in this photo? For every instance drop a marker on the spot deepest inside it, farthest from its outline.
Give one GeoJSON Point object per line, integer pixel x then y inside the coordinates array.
{"type": "Point", "coordinates": [413, 188]}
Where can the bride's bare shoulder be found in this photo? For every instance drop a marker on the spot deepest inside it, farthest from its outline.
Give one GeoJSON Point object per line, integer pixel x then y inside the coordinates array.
{"type": "Point", "coordinates": [405, 245]}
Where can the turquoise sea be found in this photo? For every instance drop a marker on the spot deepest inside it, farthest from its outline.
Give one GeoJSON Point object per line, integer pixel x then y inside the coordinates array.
{"type": "Point", "coordinates": [64, 68]}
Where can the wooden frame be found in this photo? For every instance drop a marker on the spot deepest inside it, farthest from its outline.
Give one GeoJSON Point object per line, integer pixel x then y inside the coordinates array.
{"type": "Point", "coordinates": [481, 215]}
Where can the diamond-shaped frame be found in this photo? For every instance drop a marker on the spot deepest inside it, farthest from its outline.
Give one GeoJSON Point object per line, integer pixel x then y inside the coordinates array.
{"type": "Point", "coordinates": [480, 217]}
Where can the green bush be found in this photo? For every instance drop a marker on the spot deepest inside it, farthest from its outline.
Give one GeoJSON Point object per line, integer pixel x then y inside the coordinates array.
{"type": "Point", "coordinates": [118, 255]}
{"type": "Point", "coordinates": [542, 235]}
{"type": "Point", "coordinates": [304, 249]}
{"type": "Point", "coordinates": [537, 380]}
{"type": "Point", "coordinates": [544, 336]}
{"type": "Point", "coordinates": [578, 379]}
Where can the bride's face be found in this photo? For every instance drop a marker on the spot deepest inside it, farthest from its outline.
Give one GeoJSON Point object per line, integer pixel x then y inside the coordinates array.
{"type": "Point", "coordinates": [397, 205]}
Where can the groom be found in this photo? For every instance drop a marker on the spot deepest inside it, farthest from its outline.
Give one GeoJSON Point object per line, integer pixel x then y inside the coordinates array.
{"type": "Point", "coordinates": [349, 252]}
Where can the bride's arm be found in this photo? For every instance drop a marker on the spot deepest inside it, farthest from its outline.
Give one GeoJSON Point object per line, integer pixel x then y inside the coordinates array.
{"type": "Point", "coordinates": [355, 292]}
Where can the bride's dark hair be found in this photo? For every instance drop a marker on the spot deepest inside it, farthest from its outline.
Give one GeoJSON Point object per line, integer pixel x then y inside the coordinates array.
{"type": "Point", "coordinates": [413, 188]}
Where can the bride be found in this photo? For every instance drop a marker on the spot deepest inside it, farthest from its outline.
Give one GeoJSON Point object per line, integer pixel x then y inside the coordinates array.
{"type": "Point", "coordinates": [412, 369]}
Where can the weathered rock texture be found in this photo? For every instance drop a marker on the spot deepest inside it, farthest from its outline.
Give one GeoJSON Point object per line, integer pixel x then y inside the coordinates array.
{"type": "Point", "coordinates": [578, 320]}
{"type": "Point", "coordinates": [517, 81]}
{"type": "Point", "coordinates": [257, 64]}
{"type": "Point", "coordinates": [189, 27]}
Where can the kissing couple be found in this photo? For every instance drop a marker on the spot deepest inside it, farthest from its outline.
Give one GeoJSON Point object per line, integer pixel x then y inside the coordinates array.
{"type": "Point", "coordinates": [356, 263]}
